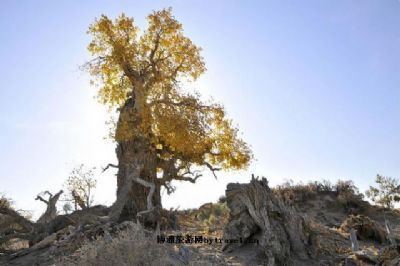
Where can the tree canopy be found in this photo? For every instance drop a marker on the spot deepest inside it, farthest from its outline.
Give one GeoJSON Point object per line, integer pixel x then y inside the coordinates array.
{"type": "Point", "coordinates": [149, 67]}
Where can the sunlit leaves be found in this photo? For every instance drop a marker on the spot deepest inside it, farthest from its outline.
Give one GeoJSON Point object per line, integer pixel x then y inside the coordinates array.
{"type": "Point", "coordinates": [146, 68]}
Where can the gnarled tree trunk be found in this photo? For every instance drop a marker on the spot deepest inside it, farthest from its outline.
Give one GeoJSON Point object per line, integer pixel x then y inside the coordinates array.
{"type": "Point", "coordinates": [51, 209]}
{"type": "Point", "coordinates": [137, 173]}
{"type": "Point", "coordinates": [256, 213]}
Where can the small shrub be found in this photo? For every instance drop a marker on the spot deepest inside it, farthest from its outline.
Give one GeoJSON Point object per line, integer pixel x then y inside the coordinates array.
{"type": "Point", "coordinates": [5, 202]}
{"type": "Point", "coordinates": [326, 186]}
{"type": "Point", "coordinates": [211, 220]}
{"type": "Point", "coordinates": [202, 216]}
{"type": "Point", "coordinates": [221, 209]}
{"type": "Point", "coordinates": [292, 193]}
{"type": "Point", "coordinates": [348, 194]}
{"type": "Point", "coordinates": [387, 193]}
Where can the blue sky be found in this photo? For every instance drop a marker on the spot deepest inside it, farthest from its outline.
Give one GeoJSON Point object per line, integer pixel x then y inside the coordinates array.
{"type": "Point", "coordinates": [312, 85]}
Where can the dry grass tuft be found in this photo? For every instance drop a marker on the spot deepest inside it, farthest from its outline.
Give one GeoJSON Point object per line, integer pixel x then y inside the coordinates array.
{"type": "Point", "coordinates": [130, 247]}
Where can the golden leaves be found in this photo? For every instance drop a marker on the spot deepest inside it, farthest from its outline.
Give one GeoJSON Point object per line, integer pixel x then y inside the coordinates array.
{"type": "Point", "coordinates": [149, 68]}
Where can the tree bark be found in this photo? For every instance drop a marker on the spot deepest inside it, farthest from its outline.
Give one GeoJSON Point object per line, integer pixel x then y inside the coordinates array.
{"type": "Point", "coordinates": [134, 154]}
{"type": "Point", "coordinates": [354, 241]}
{"type": "Point", "coordinates": [51, 209]}
{"type": "Point", "coordinates": [255, 212]}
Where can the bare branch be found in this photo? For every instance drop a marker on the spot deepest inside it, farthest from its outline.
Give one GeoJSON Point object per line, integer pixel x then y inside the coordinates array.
{"type": "Point", "coordinates": [170, 189]}
{"type": "Point", "coordinates": [41, 199]}
{"type": "Point", "coordinates": [94, 63]}
{"type": "Point", "coordinates": [5, 238]}
{"type": "Point", "coordinates": [48, 193]}
{"type": "Point", "coordinates": [188, 178]}
{"type": "Point", "coordinates": [108, 166]}
{"type": "Point", "coordinates": [155, 48]}
{"type": "Point", "coordinates": [212, 169]}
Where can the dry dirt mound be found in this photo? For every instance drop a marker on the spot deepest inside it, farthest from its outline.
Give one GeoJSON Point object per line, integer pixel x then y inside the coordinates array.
{"type": "Point", "coordinates": [288, 236]}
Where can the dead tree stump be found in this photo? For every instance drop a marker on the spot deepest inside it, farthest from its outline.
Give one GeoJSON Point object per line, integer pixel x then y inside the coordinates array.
{"type": "Point", "coordinates": [51, 210]}
{"type": "Point", "coordinates": [256, 212]}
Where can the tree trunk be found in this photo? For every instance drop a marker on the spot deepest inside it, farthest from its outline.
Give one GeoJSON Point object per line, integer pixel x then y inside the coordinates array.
{"type": "Point", "coordinates": [51, 209]}
{"type": "Point", "coordinates": [133, 153]}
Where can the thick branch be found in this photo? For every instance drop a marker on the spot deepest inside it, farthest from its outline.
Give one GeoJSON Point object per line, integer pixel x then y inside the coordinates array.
{"type": "Point", "coordinates": [187, 178]}
{"type": "Point", "coordinates": [132, 74]}
{"type": "Point", "coordinates": [176, 70]}
{"type": "Point", "coordinates": [5, 238]}
{"type": "Point", "coordinates": [155, 48]}
{"type": "Point", "coordinates": [48, 193]}
{"type": "Point", "coordinates": [56, 197]}
{"type": "Point", "coordinates": [41, 199]}
{"type": "Point", "coordinates": [19, 219]}
{"type": "Point", "coordinates": [170, 170]}
{"type": "Point", "coordinates": [192, 178]}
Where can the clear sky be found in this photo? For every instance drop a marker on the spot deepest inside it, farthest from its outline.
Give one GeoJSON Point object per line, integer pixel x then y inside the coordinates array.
{"type": "Point", "coordinates": [312, 85]}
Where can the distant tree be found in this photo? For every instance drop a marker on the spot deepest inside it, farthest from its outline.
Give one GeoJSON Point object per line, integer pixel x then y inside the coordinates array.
{"type": "Point", "coordinates": [162, 129]}
{"type": "Point", "coordinates": [67, 208]}
{"type": "Point", "coordinates": [387, 193]}
{"type": "Point", "coordinates": [80, 185]}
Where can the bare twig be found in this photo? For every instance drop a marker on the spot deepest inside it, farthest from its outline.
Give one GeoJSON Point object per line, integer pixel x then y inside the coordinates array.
{"type": "Point", "coordinates": [108, 166]}
{"type": "Point", "coordinates": [212, 169]}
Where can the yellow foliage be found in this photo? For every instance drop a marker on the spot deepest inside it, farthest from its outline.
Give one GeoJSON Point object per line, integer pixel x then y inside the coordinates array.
{"type": "Point", "coordinates": [80, 185]}
{"type": "Point", "coordinates": [147, 67]}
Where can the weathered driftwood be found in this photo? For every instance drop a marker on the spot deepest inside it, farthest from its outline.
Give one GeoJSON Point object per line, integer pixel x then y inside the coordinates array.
{"type": "Point", "coordinates": [390, 235]}
{"type": "Point", "coordinates": [15, 226]}
{"type": "Point", "coordinates": [366, 255]}
{"type": "Point", "coordinates": [353, 239]}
